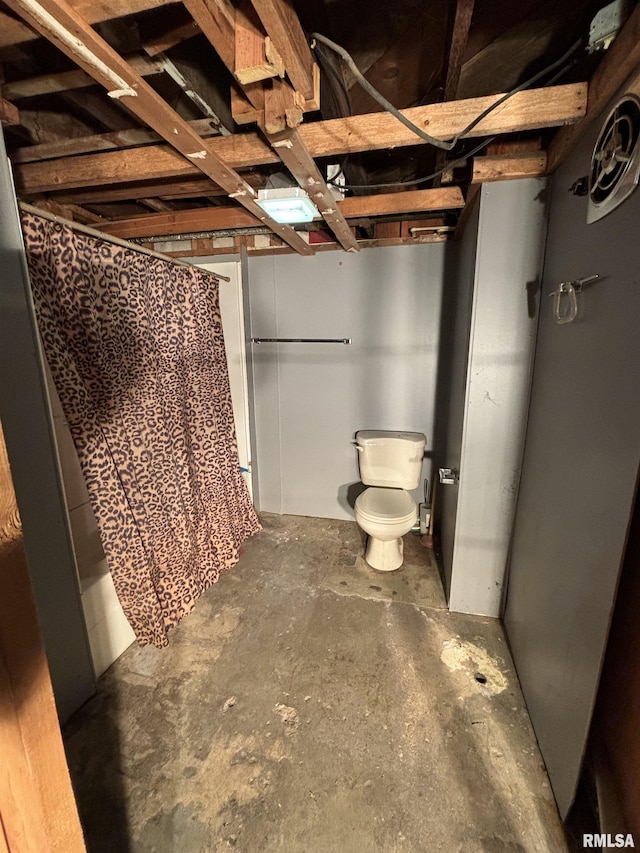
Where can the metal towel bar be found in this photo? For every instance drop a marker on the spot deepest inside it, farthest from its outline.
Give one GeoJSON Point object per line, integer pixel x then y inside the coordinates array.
{"type": "Point", "coordinates": [345, 341]}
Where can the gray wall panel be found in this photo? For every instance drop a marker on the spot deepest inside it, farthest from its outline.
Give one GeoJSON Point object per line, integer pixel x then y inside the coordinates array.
{"type": "Point", "coordinates": [311, 399]}
{"type": "Point", "coordinates": [579, 473]}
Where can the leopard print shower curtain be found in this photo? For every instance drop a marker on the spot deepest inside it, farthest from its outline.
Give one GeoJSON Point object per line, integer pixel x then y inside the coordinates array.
{"type": "Point", "coordinates": [136, 350]}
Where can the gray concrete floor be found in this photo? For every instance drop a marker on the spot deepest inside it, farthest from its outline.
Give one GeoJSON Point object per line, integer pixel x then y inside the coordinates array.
{"type": "Point", "coordinates": [311, 705]}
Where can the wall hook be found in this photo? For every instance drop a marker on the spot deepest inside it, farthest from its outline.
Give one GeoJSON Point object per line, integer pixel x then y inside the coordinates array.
{"type": "Point", "coordinates": [566, 310]}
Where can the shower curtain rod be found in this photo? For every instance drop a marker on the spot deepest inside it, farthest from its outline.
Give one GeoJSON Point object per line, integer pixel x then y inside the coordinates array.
{"type": "Point", "coordinates": [92, 232]}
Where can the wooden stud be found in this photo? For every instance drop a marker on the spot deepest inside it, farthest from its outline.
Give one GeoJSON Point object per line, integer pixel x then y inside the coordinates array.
{"type": "Point", "coordinates": [58, 22]}
{"type": "Point", "coordinates": [37, 807]}
{"type": "Point", "coordinates": [619, 63]}
{"type": "Point", "coordinates": [283, 107]}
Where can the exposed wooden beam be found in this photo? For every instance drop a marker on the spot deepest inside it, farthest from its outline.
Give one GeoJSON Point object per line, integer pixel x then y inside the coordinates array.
{"type": "Point", "coordinates": [501, 168]}
{"type": "Point", "coordinates": [63, 81]}
{"type": "Point", "coordinates": [171, 38]}
{"type": "Point", "coordinates": [459, 37]}
{"type": "Point", "coordinates": [283, 28]}
{"type": "Point", "coordinates": [415, 201]}
{"type": "Point", "coordinates": [255, 56]}
{"type": "Point", "coordinates": [619, 62]}
{"type": "Point", "coordinates": [116, 140]}
{"type": "Point", "coordinates": [527, 110]}
{"type": "Point", "coordinates": [219, 218]}
{"type": "Point", "coordinates": [155, 204]}
{"type": "Point", "coordinates": [300, 163]}
{"type": "Point", "coordinates": [216, 19]}
{"type": "Point", "coordinates": [58, 22]}
{"type": "Point", "coordinates": [196, 188]}
{"type": "Point", "coordinates": [94, 11]}
{"type": "Point", "coordinates": [8, 113]}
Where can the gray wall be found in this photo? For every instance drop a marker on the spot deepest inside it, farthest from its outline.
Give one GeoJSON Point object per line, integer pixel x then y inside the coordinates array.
{"type": "Point", "coordinates": [579, 473]}
{"type": "Point", "coordinates": [504, 316]}
{"type": "Point", "coordinates": [311, 399]}
{"type": "Point", "coordinates": [28, 428]}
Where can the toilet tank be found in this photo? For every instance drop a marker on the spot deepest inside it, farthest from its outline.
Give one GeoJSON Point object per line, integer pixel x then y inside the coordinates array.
{"type": "Point", "coordinates": [392, 459]}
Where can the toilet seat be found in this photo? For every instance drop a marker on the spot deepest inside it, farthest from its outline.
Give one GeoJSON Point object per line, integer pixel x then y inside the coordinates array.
{"type": "Point", "coordinates": [389, 506]}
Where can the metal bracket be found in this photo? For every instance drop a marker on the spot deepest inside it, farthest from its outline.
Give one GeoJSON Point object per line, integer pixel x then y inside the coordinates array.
{"type": "Point", "coordinates": [448, 476]}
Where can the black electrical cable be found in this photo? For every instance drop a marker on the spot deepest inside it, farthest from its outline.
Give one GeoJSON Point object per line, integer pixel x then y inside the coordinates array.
{"type": "Point", "coordinates": [438, 143]}
{"type": "Point", "coordinates": [462, 158]}
{"type": "Point", "coordinates": [415, 182]}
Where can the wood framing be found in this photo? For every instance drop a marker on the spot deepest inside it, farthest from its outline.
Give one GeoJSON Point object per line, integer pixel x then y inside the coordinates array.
{"type": "Point", "coordinates": [219, 218]}
{"type": "Point", "coordinates": [255, 56]}
{"type": "Point", "coordinates": [58, 22]}
{"type": "Point", "coordinates": [37, 807]}
{"type": "Point", "coordinates": [620, 61]}
{"type": "Point", "coordinates": [216, 19]}
{"type": "Point", "coordinates": [535, 108]}
{"type": "Point", "coordinates": [459, 36]}
{"type": "Point", "coordinates": [501, 168]}
{"type": "Point", "coordinates": [282, 26]}
{"type": "Point", "coordinates": [15, 32]}
{"type": "Point", "coordinates": [8, 113]}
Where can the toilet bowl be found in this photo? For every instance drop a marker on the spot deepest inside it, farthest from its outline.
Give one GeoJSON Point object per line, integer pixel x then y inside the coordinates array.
{"type": "Point", "coordinates": [385, 515]}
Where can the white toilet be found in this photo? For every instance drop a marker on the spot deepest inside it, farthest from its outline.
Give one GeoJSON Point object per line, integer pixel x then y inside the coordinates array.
{"type": "Point", "coordinates": [390, 463]}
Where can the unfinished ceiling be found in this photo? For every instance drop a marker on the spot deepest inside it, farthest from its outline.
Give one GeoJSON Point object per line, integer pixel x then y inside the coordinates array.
{"type": "Point", "coordinates": [158, 120]}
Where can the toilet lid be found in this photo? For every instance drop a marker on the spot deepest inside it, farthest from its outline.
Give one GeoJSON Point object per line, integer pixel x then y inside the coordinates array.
{"type": "Point", "coordinates": [386, 504]}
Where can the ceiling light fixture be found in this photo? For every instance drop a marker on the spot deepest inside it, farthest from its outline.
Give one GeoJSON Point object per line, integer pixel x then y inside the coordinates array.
{"type": "Point", "coordinates": [287, 205]}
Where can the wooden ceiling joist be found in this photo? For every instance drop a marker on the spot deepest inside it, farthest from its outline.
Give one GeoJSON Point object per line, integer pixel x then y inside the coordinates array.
{"type": "Point", "coordinates": [299, 162]}
{"type": "Point", "coordinates": [114, 140]}
{"type": "Point", "coordinates": [93, 11]}
{"type": "Point", "coordinates": [65, 28]}
{"type": "Point", "coordinates": [283, 28]}
{"type": "Point", "coordinates": [218, 218]}
{"type": "Point", "coordinates": [620, 61]}
{"type": "Point", "coordinates": [536, 108]}
{"type": "Point", "coordinates": [501, 168]}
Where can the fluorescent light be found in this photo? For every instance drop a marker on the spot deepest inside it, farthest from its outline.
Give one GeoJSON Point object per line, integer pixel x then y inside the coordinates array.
{"type": "Point", "coordinates": [290, 204]}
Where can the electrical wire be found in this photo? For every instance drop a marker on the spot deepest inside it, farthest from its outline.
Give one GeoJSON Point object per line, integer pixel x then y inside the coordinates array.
{"type": "Point", "coordinates": [438, 143]}
{"type": "Point", "coordinates": [417, 181]}
{"type": "Point", "coordinates": [463, 157]}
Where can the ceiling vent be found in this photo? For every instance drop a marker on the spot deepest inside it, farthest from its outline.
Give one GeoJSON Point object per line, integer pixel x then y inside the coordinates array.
{"type": "Point", "coordinates": [615, 164]}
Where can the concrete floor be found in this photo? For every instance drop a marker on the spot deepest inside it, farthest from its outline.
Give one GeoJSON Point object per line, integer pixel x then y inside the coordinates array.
{"type": "Point", "coordinates": [311, 705]}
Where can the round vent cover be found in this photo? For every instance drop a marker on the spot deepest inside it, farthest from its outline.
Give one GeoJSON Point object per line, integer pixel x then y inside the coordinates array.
{"type": "Point", "coordinates": [615, 163]}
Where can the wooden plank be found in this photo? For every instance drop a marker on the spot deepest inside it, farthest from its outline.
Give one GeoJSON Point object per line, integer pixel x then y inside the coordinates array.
{"type": "Point", "coordinates": [532, 109]}
{"type": "Point", "coordinates": [115, 140]}
{"type": "Point", "coordinates": [415, 201]}
{"type": "Point", "coordinates": [218, 218]}
{"type": "Point", "coordinates": [8, 113]}
{"type": "Point", "coordinates": [255, 57]}
{"type": "Point", "coordinates": [58, 22]}
{"type": "Point", "coordinates": [216, 19]}
{"type": "Point", "coordinates": [181, 222]}
{"type": "Point", "coordinates": [134, 192]}
{"type": "Point", "coordinates": [94, 11]}
{"type": "Point", "coordinates": [37, 807]}
{"type": "Point", "coordinates": [301, 164]}
{"type": "Point", "coordinates": [170, 38]}
{"type": "Point", "coordinates": [459, 37]}
{"type": "Point", "coordinates": [283, 28]}
{"type": "Point", "coordinates": [618, 64]}
{"type": "Point", "coordinates": [48, 84]}
{"type": "Point", "coordinates": [501, 168]}
{"type": "Point", "coordinates": [283, 107]}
